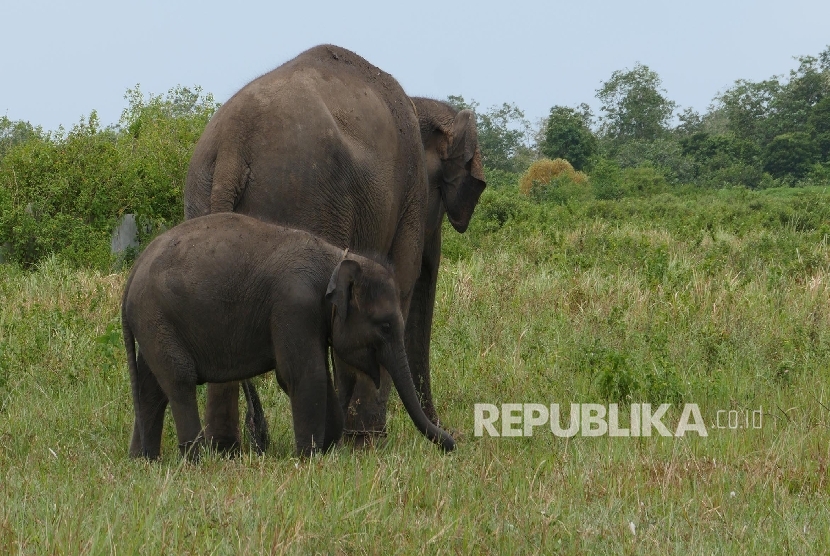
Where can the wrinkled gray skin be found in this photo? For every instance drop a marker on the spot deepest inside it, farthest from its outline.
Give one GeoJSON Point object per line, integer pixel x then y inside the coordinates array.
{"type": "Point", "coordinates": [331, 144]}
{"type": "Point", "coordinates": [227, 297]}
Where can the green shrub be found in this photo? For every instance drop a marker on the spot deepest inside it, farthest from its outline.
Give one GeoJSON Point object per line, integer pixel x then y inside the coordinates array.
{"type": "Point", "coordinates": [501, 179]}
{"type": "Point", "coordinates": [63, 193]}
{"type": "Point", "coordinates": [606, 179]}
{"type": "Point", "coordinates": [496, 207]}
{"type": "Point", "coordinates": [643, 181]}
{"type": "Point", "coordinates": [563, 189]}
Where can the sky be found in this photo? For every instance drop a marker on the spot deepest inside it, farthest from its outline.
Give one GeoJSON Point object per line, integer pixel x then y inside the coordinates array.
{"type": "Point", "coordinates": [61, 60]}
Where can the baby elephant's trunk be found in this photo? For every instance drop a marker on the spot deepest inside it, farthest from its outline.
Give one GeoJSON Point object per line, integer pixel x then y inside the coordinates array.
{"type": "Point", "coordinates": [397, 365]}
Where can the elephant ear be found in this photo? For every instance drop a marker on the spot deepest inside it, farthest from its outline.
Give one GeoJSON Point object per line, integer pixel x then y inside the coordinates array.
{"type": "Point", "coordinates": [463, 172]}
{"type": "Point", "coordinates": [341, 287]}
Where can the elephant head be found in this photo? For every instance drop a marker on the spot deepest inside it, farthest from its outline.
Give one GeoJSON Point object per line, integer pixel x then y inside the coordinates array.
{"type": "Point", "coordinates": [367, 330]}
{"type": "Point", "coordinates": [453, 159]}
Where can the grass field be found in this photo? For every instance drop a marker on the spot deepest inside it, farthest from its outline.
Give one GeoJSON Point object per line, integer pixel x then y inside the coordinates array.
{"type": "Point", "coordinates": [721, 299]}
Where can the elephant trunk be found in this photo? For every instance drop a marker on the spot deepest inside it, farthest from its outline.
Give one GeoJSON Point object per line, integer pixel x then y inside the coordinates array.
{"type": "Point", "coordinates": [397, 366]}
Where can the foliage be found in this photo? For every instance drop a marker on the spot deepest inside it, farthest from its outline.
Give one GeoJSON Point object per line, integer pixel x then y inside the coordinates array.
{"type": "Point", "coordinates": [14, 133]}
{"type": "Point", "coordinates": [756, 134]}
{"type": "Point", "coordinates": [719, 160]}
{"type": "Point", "coordinates": [500, 179]}
{"type": "Point", "coordinates": [611, 182]}
{"type": "Point", "coordinates": [785, 120]}
{"type": "Point", "coordinates": [747, 107]}
{"type": "Point", "coordinates": [790, 154]}
{"type": "Point", "coordinates": [542, 171]}
{"type": "Point", "coordinates": [665, 153]}
{"type": "Point", "coordinates": [607, 179]}
{"type": "Point", "coordinates": [819, 125]}
{"type": "Point", "coordinates": [635, 106]}
{"type": "Point", "coordinates": [567, 135]}
{"type": "Point", "coordinates": [62, 193]}
{"type": "Point", "coordinates": [503, 135]}
{"type": "Point", "coordinates": [554, 180]}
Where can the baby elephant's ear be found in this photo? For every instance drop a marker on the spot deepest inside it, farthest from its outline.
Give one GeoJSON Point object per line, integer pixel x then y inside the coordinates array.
{"type": "Point", "coordinates": [340, 289]}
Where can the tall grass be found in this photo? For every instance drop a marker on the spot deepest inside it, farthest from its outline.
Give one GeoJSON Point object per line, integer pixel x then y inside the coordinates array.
{"type": "Point", "coordinates": [719, 299]}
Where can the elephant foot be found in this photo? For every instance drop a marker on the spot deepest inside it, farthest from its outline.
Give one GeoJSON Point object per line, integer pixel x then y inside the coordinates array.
{"type": "Point", "coordinates": [192, 449]}
{"type": "Point", "coordinates": [228, 446]}
{"type": "Point", "coordinates": [364, 439]}
{"type": "Point", "coordinates": [365, 418]}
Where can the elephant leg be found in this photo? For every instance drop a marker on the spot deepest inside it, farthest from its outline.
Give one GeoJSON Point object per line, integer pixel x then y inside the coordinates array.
{"type": "Point", "coordinates": [150, 402]}
{"type": "Point", "coordinates": [300, 355]}
{"type": "Point", "coordinates": [255, 422]}
{"type": "Point", "coordinates": [419, 325]}
{"type": "Point", "coordinates": [366, 412]}
{"type": "Point", "coordinates": [309, 401]}
{"type": "Point", "coordinates": [186, 416]}
{"type": "Point", "coordinates": [177, 377]}
{"type": "Point", "coordinates": [334, 417]}
{"type": "Point", "coordinates": [222, 417]}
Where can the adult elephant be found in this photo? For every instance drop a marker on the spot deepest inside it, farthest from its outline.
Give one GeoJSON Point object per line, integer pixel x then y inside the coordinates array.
{"type": "Point", "coordinates": [331, 144]}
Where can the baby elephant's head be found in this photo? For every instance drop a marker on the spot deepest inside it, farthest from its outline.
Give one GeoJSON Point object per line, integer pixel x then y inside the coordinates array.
{"type": "Point", "coordinates": [367, 331]}
{"type": "Point", "coordinates": [367, 328]}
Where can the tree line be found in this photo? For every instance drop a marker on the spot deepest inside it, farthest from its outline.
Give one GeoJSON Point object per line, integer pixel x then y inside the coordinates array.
{"type": "Point", "coordinates": [754, 134]}
{"type": "Point", "coordinates": [62, 192]}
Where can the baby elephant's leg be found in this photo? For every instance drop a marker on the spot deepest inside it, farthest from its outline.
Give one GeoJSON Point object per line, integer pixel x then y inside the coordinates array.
{"type": "Point", "coordinates": [176, 372]}
{"type": "Point", "coordinates": [301, 362]}
{"type": "Point", "coordinates": [150, 402]}
{"type": "Point", "coordinates": [308, 410]}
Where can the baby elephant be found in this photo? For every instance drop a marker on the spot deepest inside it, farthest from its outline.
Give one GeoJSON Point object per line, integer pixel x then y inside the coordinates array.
{"type": "Point", "coordinates": [226, 297]}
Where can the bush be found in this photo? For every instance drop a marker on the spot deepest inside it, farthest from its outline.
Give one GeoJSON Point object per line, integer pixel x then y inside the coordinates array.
{"type": "Point", "coordinates": [543, 171]}
{"type": "Point", "coordinates": [496, 207]}
{"type": "Point", "coordinates": [500, 179]}
{"type": "Point", "coordinates": [555, 180]}
{"type": "Point", "coordinates": [643, 181]}
{"type": "Point", "coordinates": [63, 193]}
{"type": "Point", "coordinates": [737, 174]}
{"type": "Point", "coordinates": [666, 154]}
{"type": "Point", "coordinates": [606, 178]}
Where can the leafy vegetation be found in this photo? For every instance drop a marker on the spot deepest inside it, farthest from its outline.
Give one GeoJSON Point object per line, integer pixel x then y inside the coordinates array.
{"type": "Point", "coordinates": [62, 193]}
{"type": "Point", "coordinates": [567, 135]}
{"type": "Point", "coordinates": [763, 134]}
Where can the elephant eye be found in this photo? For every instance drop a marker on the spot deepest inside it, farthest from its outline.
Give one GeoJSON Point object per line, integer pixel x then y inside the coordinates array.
{"type": "Point", "coordinates": [386, 327]}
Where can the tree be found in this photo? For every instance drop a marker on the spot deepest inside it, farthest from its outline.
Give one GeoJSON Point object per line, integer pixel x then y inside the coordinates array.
{"type": "Point", "coordinates": [503, 135]}
{"type": "Point", "coordinates": [790, 154]}
{"type": "Point", "coordinates": [787, 121]}
{"type": "Point", "coordinates": [14, 133]}
{"type": "Point", "coordinates": [819, 124]}
{"type": "Point", "coordinates": [635, 106]}
{"type": "Point", "coordinates": [568, 135]}
{"type": "Point", "coordinates": [747, 106]}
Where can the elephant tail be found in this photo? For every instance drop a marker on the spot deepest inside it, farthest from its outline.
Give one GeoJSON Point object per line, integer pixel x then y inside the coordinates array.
{"type": "Point", "coordinates": [255, 422]}
{"type": "Point", "coordinates": [230, 178]}
{"type": "Point", "coordinates": [129, 343]}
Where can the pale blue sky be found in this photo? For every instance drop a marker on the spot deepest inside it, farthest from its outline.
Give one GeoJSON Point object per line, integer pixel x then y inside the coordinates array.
{"type": "Point", "coordinates": [62, 59]}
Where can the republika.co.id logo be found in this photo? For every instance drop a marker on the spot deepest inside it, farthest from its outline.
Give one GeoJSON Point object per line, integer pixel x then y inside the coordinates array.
{"type": "Point", "coordinates": [590, 419]}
